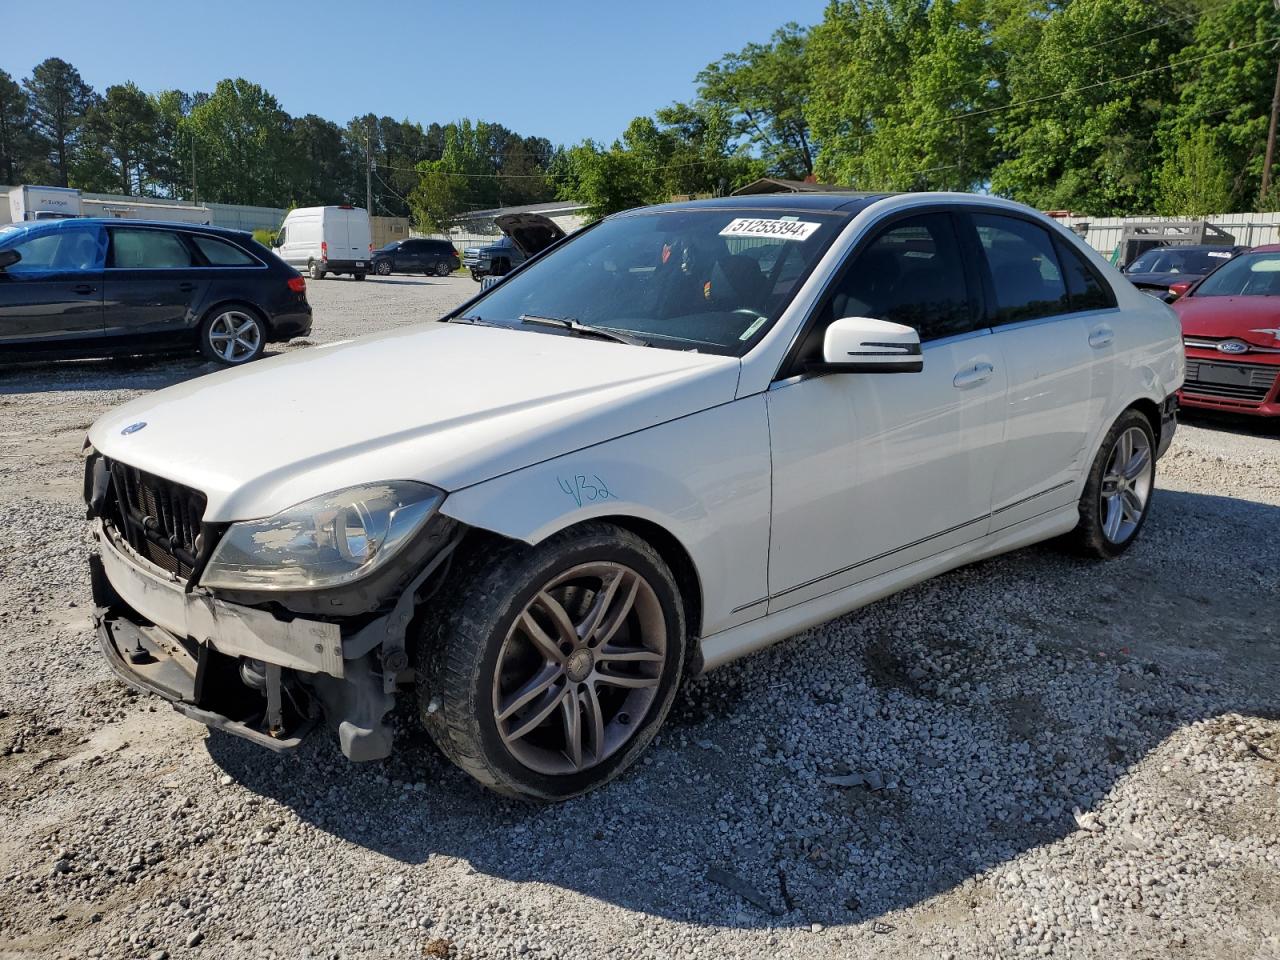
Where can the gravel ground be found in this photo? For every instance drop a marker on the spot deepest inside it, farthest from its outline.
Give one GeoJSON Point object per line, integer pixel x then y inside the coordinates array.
{"type": "Point", "coordinates": [1033, 756]}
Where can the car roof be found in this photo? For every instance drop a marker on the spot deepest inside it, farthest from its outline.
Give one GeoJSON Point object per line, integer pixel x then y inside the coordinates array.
{"type": "Point", "coordinates": [1197, 247]}
{"type": "Point", "coordinates": [68, 222]}
{"type": "Point", "coordinates": [849, 202]}
{"type": "Point", "coordinates": [1265, 248]}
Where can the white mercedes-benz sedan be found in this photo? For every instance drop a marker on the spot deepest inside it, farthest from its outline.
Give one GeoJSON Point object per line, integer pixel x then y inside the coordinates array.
{"type": "Point", "coordinates": [673, 438]}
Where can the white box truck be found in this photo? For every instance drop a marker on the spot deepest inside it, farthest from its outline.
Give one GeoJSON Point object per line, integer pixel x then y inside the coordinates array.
{"type": "Point", "coordinates": [43, 203]}
{"type": "Point", "coordinates": [323, 240]}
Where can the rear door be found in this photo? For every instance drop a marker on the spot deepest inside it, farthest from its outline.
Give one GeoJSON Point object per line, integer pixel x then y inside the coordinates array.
{"type": "Point", "coordinates": [1045, 344]}
{"type": "Point", "coordinates": [152, 284]}
{"type": "Point", "coordinates": [53, 295]}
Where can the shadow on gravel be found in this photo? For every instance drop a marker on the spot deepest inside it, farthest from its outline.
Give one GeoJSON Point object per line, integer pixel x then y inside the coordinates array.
{"type": "Point", "coordinates": [871, 763]}
{"type": "Point", "coordinates": [1230, 422]}
{"type": "Point", "coordinates": [118, 373]}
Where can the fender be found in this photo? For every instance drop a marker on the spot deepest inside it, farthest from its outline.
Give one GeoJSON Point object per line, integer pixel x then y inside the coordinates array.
{"type": "Point", "coordinates": [717, 507]}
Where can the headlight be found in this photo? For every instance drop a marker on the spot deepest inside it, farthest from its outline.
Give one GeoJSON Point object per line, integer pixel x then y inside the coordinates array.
{"type": "Point", "coordinates": [324, 542]}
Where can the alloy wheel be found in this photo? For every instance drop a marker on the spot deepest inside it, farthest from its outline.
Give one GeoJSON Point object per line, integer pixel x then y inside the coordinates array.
{"type": "Point", "coordinates": [383, 268]}
{"type": "Point", "coordinates": [1126, 485]}
{"type": "Point", "coordinates": [235, 336]}
{"type": "Point", "coordinates": [580, 668]}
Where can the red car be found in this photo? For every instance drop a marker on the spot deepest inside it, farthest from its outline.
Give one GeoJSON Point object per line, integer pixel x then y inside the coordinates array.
{"type": "Point", "coordinates": [1231, 329]}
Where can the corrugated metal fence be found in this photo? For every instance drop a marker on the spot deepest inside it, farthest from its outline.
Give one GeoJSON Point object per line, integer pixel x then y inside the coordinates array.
{"type": "Point", "coordinates": [1249, 229]}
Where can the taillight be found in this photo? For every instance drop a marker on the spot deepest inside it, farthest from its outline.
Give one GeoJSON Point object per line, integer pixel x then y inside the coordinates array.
{"type": "Point", "coordinates": [371, 249]}
{"type": "Point", "coordinates": [324, 250]}
{"type": "Point", "coordinates": [297, 284]}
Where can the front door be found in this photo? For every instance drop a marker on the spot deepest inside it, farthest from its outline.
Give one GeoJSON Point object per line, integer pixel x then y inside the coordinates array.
{"type": "Point", "coordinates": [874, 471]}
{"type": "Point", "coordinates": [152, 285]}
{"type": "Point", "coordinates": [52, 297]}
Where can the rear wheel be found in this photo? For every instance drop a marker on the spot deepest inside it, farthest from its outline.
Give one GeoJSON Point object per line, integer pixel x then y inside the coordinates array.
{"type": "Point", "coordinates": [233, 335]}
{"type": "Point", "coordinates": [359, 276]}
{"type": "Point", "coordinates": [382, 268]}
{"type": "Point", "coordinates": [1117, 494]}
{"type": "Point", "coordinates": [553, 666]}
{"type": "Point", "coordinates": [443, 269]}
{"type": "Point", "coordinates": [315, 270]}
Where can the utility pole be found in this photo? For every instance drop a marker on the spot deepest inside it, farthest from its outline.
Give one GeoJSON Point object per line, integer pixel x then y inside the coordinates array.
{"type": "Point", "coordinates": [368, 168]}
{"type": "Point", "coordinates": [1271, 134]}
{"type": "Point", "coordinates": [195, 194]}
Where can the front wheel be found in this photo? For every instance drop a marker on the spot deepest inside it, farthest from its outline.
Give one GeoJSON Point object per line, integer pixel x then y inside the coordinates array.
{"type": "Point", "coordinates": [382, 268]}
{"type": "Point", "coordinates": [1117, 494]}
{"type": "Point", "coordinates": [552, 667]}
{"type": "Point", "coordinates": [232, 335]}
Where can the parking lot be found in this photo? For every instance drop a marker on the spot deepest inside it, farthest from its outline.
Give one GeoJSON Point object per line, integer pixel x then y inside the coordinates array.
{"type": "Point", "coordinates": [1036, 755]}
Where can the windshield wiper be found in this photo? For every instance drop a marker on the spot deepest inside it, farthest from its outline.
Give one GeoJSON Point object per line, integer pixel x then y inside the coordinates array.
{"type": "Point", "coordinates": [473, 321]}
{"type": "Point", "coordinates": [583, 329]}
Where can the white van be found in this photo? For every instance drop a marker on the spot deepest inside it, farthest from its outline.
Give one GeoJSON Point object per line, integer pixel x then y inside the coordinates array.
{"type": "Point", "coordinates": [321, 240]}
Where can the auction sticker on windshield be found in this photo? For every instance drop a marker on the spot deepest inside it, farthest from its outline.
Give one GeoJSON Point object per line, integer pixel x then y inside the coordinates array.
{"type": "Point", "coordinates": [777, 229]}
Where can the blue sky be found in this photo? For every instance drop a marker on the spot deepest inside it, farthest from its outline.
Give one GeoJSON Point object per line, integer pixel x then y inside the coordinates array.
{"type": "Point", "coordinates": [563, 69]}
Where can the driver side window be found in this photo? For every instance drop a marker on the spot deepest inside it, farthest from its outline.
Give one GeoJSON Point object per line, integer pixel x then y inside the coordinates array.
{"type": "Point", "coordinates": [912, 273]}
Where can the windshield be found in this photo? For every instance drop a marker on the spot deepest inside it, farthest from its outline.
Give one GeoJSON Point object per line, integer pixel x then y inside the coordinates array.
{"type": "Point", "coordinates": [1249, 275]}
{"type": "Point", "coordinates": [392, 245]}
{"type": "Point", "coordinates": [707, 280]}
{"type": "Point", "coordinates": [1173, 260]}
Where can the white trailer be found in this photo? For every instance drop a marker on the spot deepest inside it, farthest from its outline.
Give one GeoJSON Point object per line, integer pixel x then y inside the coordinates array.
{"type": "Point", "coordinates": [141, 209]}
{"type": "Point", "coordinates": [43, 203]}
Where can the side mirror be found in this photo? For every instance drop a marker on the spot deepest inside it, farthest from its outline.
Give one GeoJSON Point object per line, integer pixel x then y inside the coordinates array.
{"type": "Point", "coordinates": [277, 241]}
{"type": "Point", "coordinates": [1176, 290]}
{"type": "Point", "coordinates": [8, 258]}
{"type": "Point", "coordinates": [866, 345]}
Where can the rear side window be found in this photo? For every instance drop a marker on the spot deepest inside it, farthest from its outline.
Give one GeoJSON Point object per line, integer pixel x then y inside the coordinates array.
{"type": "Point", "coordinates": [219, 253]}
{"type": "Point", "coordinates": [1024, 269]}
{"type": "Point", "coordinates": [147, 250]}
{"type": "Point", "coordinates": [912, 273]}
{"type": "Point", "coordinates": [1085, 289]}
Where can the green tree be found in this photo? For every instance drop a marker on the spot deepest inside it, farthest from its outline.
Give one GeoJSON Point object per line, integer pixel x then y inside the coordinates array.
{"type": "Point", "coordinates": [464, 178]}
{"type": "Point", "coordinates": [1085, 103]}
{"type": "Point", "coordinates": [241, 144]}
{"type": "Point", "coordinates": [763, 89]}
{"type": "Point", "coordinates": [320, 162]}
{"type": "Point", "coordinates": [169, 160]}
{"type": "Point", "coordinates": [15, 141]}
{"type": "Point", "coordinates": [890, 81]}
{"type": "Point", "coordinates": [1195, 181]}
{"type": "Point", "coordinates": [59, 101]}
{"type": "Point", "coordinates": [1230, 91]}
{"type": "Point", "coordinates": [121, 130]}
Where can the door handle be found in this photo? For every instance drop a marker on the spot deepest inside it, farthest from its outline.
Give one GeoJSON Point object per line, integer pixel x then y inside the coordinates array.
{"type": "Point", "coordinates": [84, 288]}
{"type": "Point", "coordinates": [186, 287]}
{"type": "Point", "coordinates": [1100, 337]}
{"type": "Point", "coordinates": [971, 377]}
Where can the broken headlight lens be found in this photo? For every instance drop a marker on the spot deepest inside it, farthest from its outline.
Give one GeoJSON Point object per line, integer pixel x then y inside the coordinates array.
{"type": "Point", "coordinates": [324, 542]}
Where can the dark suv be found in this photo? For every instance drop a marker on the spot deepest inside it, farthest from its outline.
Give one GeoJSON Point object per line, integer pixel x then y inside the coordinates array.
{"type": "Point", "coordinates": [416, 255]}
{"type": "Point", "coordinates": [89, 288]}
{"type": "Point", "coordinates": [524, 234]}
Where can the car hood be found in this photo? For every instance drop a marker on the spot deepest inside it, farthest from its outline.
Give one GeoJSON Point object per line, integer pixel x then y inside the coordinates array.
{"type": "Point", "coordinates": [1251, 319]}
{"type": "Point", "coordinates": [531, 232]}
{"type": "Point", "coordinates": [1161, 279]}
{"type": "Point", "coordinates": [447, 404]}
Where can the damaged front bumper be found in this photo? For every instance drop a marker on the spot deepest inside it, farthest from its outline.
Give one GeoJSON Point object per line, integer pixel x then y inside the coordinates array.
{"type": "Point", "coordinates": [266, 676]}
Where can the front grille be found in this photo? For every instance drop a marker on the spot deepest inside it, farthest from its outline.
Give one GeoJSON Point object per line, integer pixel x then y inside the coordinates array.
{"type": "Point", "coordinates": [1255, 383]}
{"type": "Point", "coordinates": [160, 519]}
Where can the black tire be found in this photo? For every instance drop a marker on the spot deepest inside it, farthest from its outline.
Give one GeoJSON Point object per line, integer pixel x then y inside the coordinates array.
{"type": "Point", "coordinates": [315, 271]}
{"type": "Point", "coordinates": [458, 655]}
{"type": "Point", "coordinates": [359, 276]}
{"type": "Point", "coordinates": [443, 269]}
{"type": "Point", "coordinates": [382, 268]}
{"type": "Point", "coordinates": [219, 315]}
{"type": "Point", "coordinates": [1090, 537]}
{"type": "Point", "coordinates": [475, 276]}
